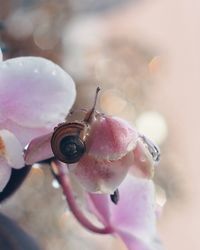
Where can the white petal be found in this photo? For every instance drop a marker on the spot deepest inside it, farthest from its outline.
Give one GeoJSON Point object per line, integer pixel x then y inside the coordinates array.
{"type": "Point", "coordinates": [5, 172]}
{"type": "Point", "coordinates": [13, 151]}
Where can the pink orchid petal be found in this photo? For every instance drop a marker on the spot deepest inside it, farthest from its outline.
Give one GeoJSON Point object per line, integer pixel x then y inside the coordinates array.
{"type": "Point", "coordinates": [34, 92]}
{"type": "Point", "coordinates": [24, 134]}
{"type": "Point", "coordinates": [39, 149]}
{"type": "Point", "coordinates": [12, 149]}
{"type": "Point", "coordinates": [136, 208]}
{"type": "Point", "coordinates": [111, 138]}
{"type": "Point", "coordinates": [143, 163]}
{"type": "Point", "coordinates": [5, 173]}
{"type": "Point", "coordinates": [101, 176]}
{"type": "Point", "coordinates": [133, 218]}
{"type": "Point", "coordinates": [134, 243]}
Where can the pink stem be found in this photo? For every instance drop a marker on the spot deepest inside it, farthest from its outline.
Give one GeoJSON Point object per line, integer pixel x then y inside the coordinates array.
{"type": "Point", "coordinates": [67, 191]}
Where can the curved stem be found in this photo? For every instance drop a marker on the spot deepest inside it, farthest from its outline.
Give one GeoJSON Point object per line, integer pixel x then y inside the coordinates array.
{"type": "Point", "coordinates": [65, 184]}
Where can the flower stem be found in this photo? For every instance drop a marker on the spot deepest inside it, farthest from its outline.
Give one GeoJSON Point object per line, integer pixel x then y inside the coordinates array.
{"type": "Point", "coordinates": [64, 181]}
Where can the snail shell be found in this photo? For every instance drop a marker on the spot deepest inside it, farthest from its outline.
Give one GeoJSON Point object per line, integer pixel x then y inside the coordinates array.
{"type": "Point", "coordinates": [68, 141]}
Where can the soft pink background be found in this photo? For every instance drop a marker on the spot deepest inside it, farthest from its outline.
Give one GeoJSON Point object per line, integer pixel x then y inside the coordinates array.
{"type": "Point", "coordinates": [174, 27]}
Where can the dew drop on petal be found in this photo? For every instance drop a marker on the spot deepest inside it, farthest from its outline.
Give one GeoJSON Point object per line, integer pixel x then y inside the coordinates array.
{"type": "Point", "coordinates": [54, 73]}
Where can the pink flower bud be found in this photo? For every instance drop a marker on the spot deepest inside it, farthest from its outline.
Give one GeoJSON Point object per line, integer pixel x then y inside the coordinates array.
{"type": "Point", "coordinates": [108, 156]}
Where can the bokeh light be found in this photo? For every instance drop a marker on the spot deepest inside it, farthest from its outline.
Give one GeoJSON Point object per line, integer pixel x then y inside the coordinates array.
{"type": "Point", "coordinates": [152, 124]}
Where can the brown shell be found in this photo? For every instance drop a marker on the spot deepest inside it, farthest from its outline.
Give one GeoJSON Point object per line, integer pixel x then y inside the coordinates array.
{"type": "Point", "coordinates": [75, 133]}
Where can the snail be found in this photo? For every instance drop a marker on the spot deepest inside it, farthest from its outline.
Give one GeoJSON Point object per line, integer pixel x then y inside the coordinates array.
{"type": "Point", "coordinates": [68, 141]}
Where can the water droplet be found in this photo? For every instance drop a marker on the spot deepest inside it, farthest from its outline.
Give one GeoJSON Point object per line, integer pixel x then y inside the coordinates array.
{"type": "Point", "coordinates": [55, 184]}
{"type": "Point", "coordinates": [54, 73]}
{"type": "Point", "coordinates": [36, 71]}
{"type": "Point", "coordinates": [36, 165]}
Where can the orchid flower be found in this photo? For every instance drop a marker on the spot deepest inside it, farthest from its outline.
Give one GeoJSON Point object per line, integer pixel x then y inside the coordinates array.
{"type": "Point", "coordinates": [27, 87]}
{"type": "Point", "coordinates": [133, 219]}
{"type": "Point", "coordinates": [100, 150]}
{"type": "Point", "coordinates": [100, 164]}
{"type": "Point", "coordinates": [36, 96]}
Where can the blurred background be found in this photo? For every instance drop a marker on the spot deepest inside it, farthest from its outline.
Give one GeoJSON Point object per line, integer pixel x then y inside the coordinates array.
{"type": "Point", "coordinates": [144, 54]}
